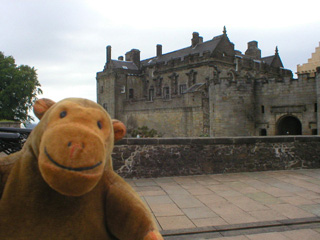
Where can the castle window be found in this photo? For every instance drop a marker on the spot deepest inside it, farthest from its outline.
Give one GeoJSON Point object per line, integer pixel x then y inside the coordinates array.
{"type": "Point", "coordinates": [194, 80]}
{"type": "Point", "coordinates": [262, 109]}
{"type": "Point", "coordinates": [314, 131]}
{"type": "Point", "coordinates": [101, 89]}
{"type": "Point", "coordinates": [105, 106]}
{"type": "Point", "coordinates": [231, 76]}
{"type": "Point", "coordinates": [166, 93]}
{"type": "Point", "coordinates": [182, 88]}
{"type": "Point", "coordinates": [192, 77]}
{"type": "Point", "coordinates": [237, 64]}
{"type": "Point", "coordinates": [123, 89]}
{"type": "Point", "coordinates": [151, 94]}
{"type": "Point", "coordinates": [315, 107]}
{"type": "Point", "coordinates": [130, 93]}
{"type": "Point", "coordinates": [263, 132]}
{"type": "Point", "coordinates": [174, 83]}
{"type": "Point", "coordinates": [158, 81]}
{"type": "Point", "coordinates": [215, 74]}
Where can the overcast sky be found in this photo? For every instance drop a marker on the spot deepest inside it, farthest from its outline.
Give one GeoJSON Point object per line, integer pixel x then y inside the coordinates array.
{"type": "Point", "coordinates": [65, 40]}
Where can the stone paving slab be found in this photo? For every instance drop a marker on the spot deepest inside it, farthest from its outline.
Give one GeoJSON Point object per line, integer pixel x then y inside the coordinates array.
{"type": "Point", "coordinates": [193, 202]}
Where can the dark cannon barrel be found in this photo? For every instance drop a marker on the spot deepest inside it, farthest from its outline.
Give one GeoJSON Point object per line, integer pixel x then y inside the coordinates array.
{"type": "Point", "coordinates": [12, 139]}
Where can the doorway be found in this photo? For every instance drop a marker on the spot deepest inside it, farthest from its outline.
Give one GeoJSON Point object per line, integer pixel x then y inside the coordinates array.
{"type": "Point", "coordinates": [289, 125]}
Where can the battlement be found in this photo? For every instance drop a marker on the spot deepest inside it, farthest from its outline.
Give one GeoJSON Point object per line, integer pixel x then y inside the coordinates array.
{"type": "Point", "coordinates": [312, 64]}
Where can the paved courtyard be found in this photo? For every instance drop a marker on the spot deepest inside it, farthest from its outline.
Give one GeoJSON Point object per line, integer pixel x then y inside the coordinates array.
{"type": "Point", "coordinates": [257, 205]}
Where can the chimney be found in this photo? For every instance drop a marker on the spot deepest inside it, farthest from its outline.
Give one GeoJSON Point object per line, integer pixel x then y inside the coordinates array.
{"type": "Point", "coordinates": [253, 44]}
{"type": "Point", "coordinates": [108, 53]}
{"type": "Point", "coordinates": [134, 56]}
{"type": "Point", "coordinates": [159, 50]}
{"type": "Point", "coordinates": [120, 58]}
{"type": "Point", "coordinates": [195, 39]}
{"type": "Point", "coordinates": [253, 51]}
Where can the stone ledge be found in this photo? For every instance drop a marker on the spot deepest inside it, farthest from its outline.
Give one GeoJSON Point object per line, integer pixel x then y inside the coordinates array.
{"type": "Point", "coordinates": [240, 229]}
{"type": "Point", "coordinates": [213, 141]}
{"type": "Point", "coordinates": [9, 124]}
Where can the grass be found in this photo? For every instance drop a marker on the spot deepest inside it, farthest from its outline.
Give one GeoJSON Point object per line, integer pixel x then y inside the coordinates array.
{"type": "Point", "coordinates": [3, 120]}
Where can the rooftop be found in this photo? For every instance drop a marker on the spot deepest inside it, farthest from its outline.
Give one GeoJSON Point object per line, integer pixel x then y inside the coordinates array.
{"type": "Point", "coordinates": [200, 48]}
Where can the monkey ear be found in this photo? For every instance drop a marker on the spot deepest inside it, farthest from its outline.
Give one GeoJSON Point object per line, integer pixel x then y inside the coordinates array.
{"type": "Point", "coordinates": [41, 106]}
{"type": "Point", "coordinates": [119, 129]}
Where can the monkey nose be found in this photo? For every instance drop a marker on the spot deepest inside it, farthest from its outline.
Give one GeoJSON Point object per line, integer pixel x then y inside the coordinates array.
{"type": "Point", "coordinates": [75, 147]}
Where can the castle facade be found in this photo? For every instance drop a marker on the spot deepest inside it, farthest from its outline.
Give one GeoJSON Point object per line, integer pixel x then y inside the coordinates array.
{"type": "Point", "coordinates": [210, 89]}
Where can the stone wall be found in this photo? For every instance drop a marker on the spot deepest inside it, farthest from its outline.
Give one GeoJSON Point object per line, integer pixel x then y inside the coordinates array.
{"type": "Point", "coordinates": [289, 97]}
{"type": "Point", "coordinates": [10, 124]}
{"type": "Point", "coordinates": [232, 108]}
{"type": "Point", "coordinates": [178, 121]}
{"type": "Point", "coordinates": [179, 116]}
{"type": "Point", "coordinates": [161, 157]}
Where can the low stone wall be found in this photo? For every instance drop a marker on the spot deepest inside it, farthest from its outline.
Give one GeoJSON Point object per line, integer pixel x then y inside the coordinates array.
{"type": "Point", "coordinates": [160, 157]}
{"type": "Point", "coordinates": [10, 124]}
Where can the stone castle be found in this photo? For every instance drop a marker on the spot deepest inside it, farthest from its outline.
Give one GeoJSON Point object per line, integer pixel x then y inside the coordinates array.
{"type": "Point", "coordinates": [211, 89]}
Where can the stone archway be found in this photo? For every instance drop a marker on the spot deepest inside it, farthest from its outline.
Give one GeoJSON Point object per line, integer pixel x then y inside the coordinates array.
{"type": "Point", "coordinates": [289, 125]}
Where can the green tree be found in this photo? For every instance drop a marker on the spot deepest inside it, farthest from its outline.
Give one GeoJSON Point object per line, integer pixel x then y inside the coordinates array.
{"type": "Point", "coordinates": [19, 87]}
{"type": "Point", "coordinates": [145, 132]}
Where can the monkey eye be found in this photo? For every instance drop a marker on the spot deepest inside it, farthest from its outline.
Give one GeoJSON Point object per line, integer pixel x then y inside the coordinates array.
{"type": "Point", "coordinates": [63, 114]}
{"type": "Point", "coordinates": [99, 124]}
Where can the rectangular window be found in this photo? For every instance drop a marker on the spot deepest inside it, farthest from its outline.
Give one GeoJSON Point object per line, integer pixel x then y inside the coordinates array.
{"type": "Point", "coordinates": [263, 132]}
{"type": "Point", "coordinates": [315, 107]}
{"type": "Point", "coordinates": [123, 89]}
{"type": "Point", "coordinates": [166, 93]}
{"type": "Point", "coordinates": [182, 88]}
{"type": "Point", "coordinates": [101, 89]}
{"type": "Point", "coordinates": [262, 109]}
{"type": "Point", "coordinates": [151, 94]}
{"type": "Point", "coordinates": [130, 93]}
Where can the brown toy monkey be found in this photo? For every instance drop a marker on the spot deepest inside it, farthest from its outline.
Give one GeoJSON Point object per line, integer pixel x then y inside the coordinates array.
{"type": "Point", "coordinates": [61, 185]}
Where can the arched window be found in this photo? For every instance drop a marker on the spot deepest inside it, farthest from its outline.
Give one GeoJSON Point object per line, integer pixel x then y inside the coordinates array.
{"type": "Point", "coordinates": [231, 76]}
